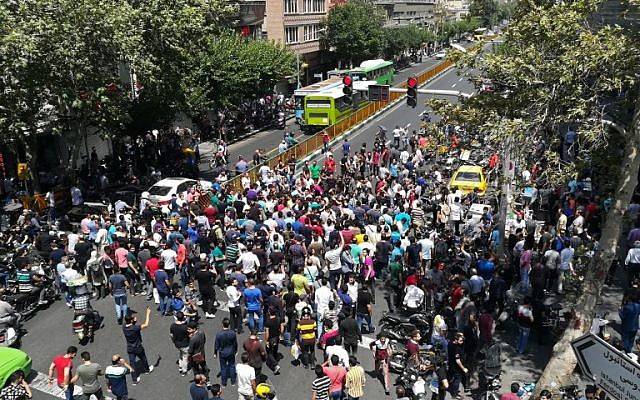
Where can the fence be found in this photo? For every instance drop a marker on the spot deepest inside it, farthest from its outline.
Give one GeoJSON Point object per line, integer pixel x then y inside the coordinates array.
{"type": "Point", "coordinates": [314, 142]}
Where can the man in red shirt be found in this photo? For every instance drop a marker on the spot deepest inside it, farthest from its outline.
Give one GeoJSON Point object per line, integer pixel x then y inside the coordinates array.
{"type": "Point", "coordinates": [62, 364]}
{"type": "Point", "coordinates": [513, 395]}
{"type": "Point", "coordinates": [152, 267]}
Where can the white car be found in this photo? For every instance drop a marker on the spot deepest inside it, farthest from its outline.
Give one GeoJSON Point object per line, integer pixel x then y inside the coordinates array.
{"type": "Point", "coordinates": [440, 55]}
{"type": "Point", "coordinates": [162, 191]}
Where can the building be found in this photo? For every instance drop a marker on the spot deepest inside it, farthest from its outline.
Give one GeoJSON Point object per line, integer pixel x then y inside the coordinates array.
{"type": "Point", "coordinates": [405, 12]}
{"type": "Point", "coordinates": [456, 10]}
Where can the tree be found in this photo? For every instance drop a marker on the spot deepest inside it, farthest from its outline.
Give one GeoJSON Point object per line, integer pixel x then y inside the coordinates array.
{"type": "Point", "coordinates": [486, 10]}
{"type": "Point", "coordinates": [355, 30]}
{"type": "Point", "coordinates": [174, 33]}
{"type": "Point", "coordinates": [60, 63]}
{"type": "Point", "coordinates": [404, 38]}
{"type": "Point", "coordinates": [556, 67]}
{"type": "Point", "coordinates": [231, 69]}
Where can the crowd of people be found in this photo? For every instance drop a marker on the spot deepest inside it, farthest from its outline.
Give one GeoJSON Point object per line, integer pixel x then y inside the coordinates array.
{"type": "Point", "coordinates": [308, 258]}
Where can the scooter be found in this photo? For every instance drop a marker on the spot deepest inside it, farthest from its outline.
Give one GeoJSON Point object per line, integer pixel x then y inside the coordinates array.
{"type": "Point", "coordinates": [491, 385]}
{"type": "Point", "coordinates": [10, 332]}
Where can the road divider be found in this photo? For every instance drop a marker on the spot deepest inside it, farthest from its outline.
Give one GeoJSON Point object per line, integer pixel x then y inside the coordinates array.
{"type": "Point", "coordinates": [313, 143]}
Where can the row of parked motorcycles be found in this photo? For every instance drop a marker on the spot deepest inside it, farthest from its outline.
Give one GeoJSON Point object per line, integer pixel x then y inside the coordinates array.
{"type": "Point", "coordinates": [25, 304]}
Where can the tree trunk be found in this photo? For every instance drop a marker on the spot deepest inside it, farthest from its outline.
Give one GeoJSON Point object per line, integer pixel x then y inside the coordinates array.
{"type": "Point", "coordinates": [563, 360]}
{"type": "Point", "coordinates": [31, 155]}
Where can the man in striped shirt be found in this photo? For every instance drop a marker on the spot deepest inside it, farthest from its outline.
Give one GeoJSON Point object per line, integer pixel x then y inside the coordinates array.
{"type": "Point", "coordinates": [320, 385]}
{"type": "Point", "coordinates": [354, 382]}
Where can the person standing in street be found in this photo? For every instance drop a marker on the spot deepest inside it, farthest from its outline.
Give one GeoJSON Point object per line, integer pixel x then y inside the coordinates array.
{"type": "Point", "coordinates": [274, 327]}
{"type": "Point", "coordinates": [16, 388]}
{"type": "Point", "coordinates": [206, 279]}
{"type": "Point", "coordinates": [355, 380]}
{"type": "Point", "coordinates": [629, 316]}
{"type": "Point", "coordinates": [133, 336]}
{"type": "Point", "coordinates": [234, 295]}
{"type": "Point", "coordinates": [163, 286]}
{"type": "Point", "coordinates": [350, 333]}
{"type": "Point", "coordinates": [116, 375]}
{"type": "Point", "coordinates": [246, 379]}
{"type": "Point", "coordinates": [62, 365]}
{"type": "Point", "coordinates": [226, 347]}
{"type": "Point", "coordinates": [307, 338]}
{"type": "Point", "coordinates": [256, 351]}
{"type": "Point", "coordinates": [118, 285]}
{"type": "Point", "coordinates": [88, 373]}
{"type": "Point", "coordinates": [197, 355]}
{"type": "Point", "coordinates": [180, 337]}
{"type": "Point", "coordinates": [198, 389]}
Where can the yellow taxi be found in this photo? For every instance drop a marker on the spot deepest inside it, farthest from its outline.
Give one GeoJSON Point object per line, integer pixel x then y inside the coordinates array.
{"type": "Point", "coordinates": [467, 178]}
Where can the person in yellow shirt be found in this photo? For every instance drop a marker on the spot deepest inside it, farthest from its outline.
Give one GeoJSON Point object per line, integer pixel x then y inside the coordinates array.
{"type": "Point", "coordinates": [300, 283]}
{"type": "Point", "coordinates": [355, 380]}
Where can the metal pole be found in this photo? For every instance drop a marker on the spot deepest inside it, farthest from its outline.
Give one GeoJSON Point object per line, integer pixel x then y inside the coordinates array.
{"type": "Point", "coordinates": [298, 69]}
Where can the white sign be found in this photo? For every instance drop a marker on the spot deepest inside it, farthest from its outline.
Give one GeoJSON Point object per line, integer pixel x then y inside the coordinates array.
{"type": "Point", "coordinates": [609, 368]}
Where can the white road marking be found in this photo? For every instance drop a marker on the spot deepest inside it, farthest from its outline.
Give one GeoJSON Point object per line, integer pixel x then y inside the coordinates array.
{"type": "Point", "coordinates": [454, 85]}
{"type": "Point", "coordinates": [41, 384]}
{"type": "Point", "coordinates": [460, 80]}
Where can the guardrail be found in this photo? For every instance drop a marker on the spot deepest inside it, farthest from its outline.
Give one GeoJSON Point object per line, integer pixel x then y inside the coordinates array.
{"type": "Point", "coordinates": [314, 142]}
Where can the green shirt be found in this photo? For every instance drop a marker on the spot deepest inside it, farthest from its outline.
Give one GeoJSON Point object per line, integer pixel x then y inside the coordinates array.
{"type": "Point", "coordinates": [217, 253]}
{"type": "Point", "coordinates": [315, 171]}
{"type": "Point", "coordinates": [395, 269]}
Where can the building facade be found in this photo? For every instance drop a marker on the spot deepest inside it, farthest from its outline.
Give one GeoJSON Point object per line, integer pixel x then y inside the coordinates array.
{"type": "Point", "coordinates": [405, 12]}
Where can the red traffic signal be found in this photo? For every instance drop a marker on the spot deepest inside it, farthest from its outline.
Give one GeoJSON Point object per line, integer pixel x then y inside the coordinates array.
{"type": "Point", "coordinates": [347, 80]}
{"type": "Point", "coordinates": [412, 82]}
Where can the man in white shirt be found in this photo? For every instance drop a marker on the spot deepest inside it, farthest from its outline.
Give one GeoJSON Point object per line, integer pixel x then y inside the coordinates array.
{"type": "Point", "coordinates": [323, 296]}
{"type": "Point", "coordinates": [455, 215]}
{"type": "Point", "coordinates": [76, 196]}
{"type": "Point", "coordinates": [339, 351]}
{"type": "Point", "coordinates": [426, 245]}
{"type": "Point", "coordinates": [169, 257]}
{"type": "Point", "coordinates": [233, 303]}
{"type": "Point", "coordinates": [413, 298]}
{"type": "Point", "coordinates": [249, 262]}
{"type": "Point", "coordinates": [246, 378]}
{"type": "Point", "coordinates": [335, 265]}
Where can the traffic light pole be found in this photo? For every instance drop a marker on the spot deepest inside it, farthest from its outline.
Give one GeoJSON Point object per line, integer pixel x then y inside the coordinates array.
{"type": "Point", "coordinates": [428, 91]}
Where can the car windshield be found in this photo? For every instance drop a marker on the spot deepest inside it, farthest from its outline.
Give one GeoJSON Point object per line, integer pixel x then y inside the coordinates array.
{"type": "Point", "coordinates": [468, 177]}
{"type": "Point", "coordinates": [157, 190]}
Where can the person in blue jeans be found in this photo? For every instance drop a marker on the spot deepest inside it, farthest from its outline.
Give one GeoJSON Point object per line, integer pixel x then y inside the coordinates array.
{"type": "Point", "coordinates": [118, 285]}
{"type": "Point", "coordinates": [163, 285]}
{"type": "Point", "coordinates": [629, 314]}
{"type": "Point", "coordinates": [133, 336]}
{"type": "Point", "coordinates": [253, 300]}
{"type": "Point", "coordinates": [525, 323]}
{"type": "Point", "coordinates": [226, 347]}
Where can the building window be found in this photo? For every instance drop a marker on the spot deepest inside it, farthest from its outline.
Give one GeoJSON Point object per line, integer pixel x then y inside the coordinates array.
{"type": "Point", "coordinates": [290, 6]}
{"type": "Point", "coordinates": [313, 6]}
{"type": "Point", "coordinates": [291, 34]}
{"type": "Point", "coordinates": [311, 32]}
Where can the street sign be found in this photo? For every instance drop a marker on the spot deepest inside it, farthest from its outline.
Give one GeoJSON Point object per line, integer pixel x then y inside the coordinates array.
{"type": "Point", "coordinates": [378, 92]}
{"type": "Point", "coordinates": [608, 367]}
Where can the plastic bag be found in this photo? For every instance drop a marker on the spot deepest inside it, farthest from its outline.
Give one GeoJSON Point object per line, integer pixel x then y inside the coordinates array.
{"type": "Point", "coordinates": [295, 351]}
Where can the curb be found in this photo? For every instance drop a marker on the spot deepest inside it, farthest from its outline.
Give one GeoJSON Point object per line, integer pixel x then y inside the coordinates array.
{"type": "Point", "coordinates": [356, 127]}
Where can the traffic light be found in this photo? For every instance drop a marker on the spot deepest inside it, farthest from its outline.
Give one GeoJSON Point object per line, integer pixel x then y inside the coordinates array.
{"type": "Point", "coordinates": [347, 89]}
{"type": "Point", "coordinates": [412, 91]}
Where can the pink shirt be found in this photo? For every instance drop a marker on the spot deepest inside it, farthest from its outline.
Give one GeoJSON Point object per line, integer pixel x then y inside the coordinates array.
{"type": "Point", "coordinates": [121, 257]}
{"type": "Point", "coordinates": [336, 375]}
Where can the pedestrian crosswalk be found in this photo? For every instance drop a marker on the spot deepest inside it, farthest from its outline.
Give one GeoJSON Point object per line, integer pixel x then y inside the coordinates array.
{"type": "Point", "coordinates": [41, 383]}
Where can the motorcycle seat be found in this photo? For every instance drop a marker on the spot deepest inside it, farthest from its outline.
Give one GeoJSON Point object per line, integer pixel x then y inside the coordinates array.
{"type": "Point", "coordinates": [398, 318]}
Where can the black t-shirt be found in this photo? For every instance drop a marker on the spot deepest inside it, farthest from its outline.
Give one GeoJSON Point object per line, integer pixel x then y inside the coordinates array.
{"type": "Point", "coordinates": [56, 256]}
{"type": "Point", "coordinates": [179, 334]}
{"type": "Point", "coordinates": [413, 254]}
{"type": "Point", "coordinates": [383, 248]}
{"type": "Point", "coordinates": [205, 244]}
{"type": "Point", "coordinates": [83, 250]}
{"type": "Point", "coordinates": [273, 325]}
{"type": "Point", "coordinates": [205, 280]}
{"type": "Point", "coordinates": [290, 300]}
{"type": "Point", "coordinates": [133, 337]}
{"type": "Point", "coordinates": [456, 352]}
{"type": "Point", "coordinates": [364, 299]}
{"type": "Point", "coordinates": [276, 257]}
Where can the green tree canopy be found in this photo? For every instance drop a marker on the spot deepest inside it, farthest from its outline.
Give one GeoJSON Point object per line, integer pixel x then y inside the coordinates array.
{"type": "Point", "coordinates": [400, 39]}
{"type": "Point", "coordinates": [231, 69]}
{"type": "Point", "coordinates": [354, 30]}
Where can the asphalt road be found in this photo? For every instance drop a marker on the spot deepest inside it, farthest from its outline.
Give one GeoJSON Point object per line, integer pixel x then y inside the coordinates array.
{"type": "Point", "coordinates": [50, 330]}
{"type": "Point", "coordinates": [269, 140]}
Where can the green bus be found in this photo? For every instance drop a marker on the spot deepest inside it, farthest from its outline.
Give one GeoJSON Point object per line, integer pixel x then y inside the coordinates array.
{"type": "Point", "coordinates": [378, 70]}
{"type": "Point", "coordinates": [327, 108]}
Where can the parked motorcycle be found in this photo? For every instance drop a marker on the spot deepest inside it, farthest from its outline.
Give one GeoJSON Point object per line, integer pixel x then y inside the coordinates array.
{"type": "Point", "coordinates": [10, 332]}
{"type": "Point", "coordinates": [414, 382]}
{"type": "Point", "coordinates": [399, 327]}
{"type": "Point", "coordinates": [490, 384]}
